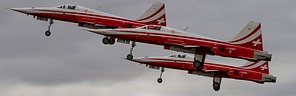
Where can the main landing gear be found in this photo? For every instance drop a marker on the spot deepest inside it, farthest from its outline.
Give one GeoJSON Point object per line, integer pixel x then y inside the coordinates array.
{"type": "Point", "coordinates": [130, 55]}
{"type": "Point", "coordinates": [217, 82]}
{"type": "Point", "coordinates": [48, 33]}
{"type": "Point", "coordinates": [159, 80]}
{"type": "Point", "coordinates": [108, 40]}
{"type": "Point", "coordinates": [199, 59]}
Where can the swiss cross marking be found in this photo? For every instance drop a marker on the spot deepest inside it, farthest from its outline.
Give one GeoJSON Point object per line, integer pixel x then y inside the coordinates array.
{"type": "Point", "coordinates": [160, 21]}
{"type": "Point", "coordinates": [264, 67]}
{"type": "Point", "coordinates": [258, 42]}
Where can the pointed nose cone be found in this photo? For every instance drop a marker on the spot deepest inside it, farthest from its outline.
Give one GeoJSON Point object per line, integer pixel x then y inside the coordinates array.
{"type": "Point", "coordinates": [21, 10]}
{"type": "Point", "coordinates": [137, 59]}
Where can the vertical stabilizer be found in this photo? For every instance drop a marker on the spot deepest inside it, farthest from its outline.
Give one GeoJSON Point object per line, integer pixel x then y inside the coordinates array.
{"type": "Point", "coordinates": [250, 36]}
{"type": "Point", "coordinates": [258, 66]}
{"type": "Point", "coordinates": [155, 15]}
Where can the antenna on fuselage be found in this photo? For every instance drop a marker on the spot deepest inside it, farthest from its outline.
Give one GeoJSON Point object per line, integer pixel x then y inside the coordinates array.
{"type": "Point", "coordinates": [186, 28]}
{"type": "Point", "coordinates": [98, 7]}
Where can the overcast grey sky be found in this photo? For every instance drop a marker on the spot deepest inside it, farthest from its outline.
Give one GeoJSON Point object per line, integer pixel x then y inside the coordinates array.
{"type": "Point", "coordinates": [73, 62]}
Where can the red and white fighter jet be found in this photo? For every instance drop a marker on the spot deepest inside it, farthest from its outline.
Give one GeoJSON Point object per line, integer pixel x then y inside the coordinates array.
{"type": "Point", "coordinates": [90, 18]}
{"type": "Point", "coordinates": [245, 45]}
{"type": "Point", "coordinates": [257, 71]}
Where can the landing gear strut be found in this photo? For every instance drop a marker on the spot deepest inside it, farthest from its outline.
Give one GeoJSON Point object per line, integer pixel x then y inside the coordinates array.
{"type": "Point", "coordinates": [159, 80]}
{"type": "Point", "coordinates": [130, 55]}
{"type": "Point", "coordinates": [48, 33]}
{"type": "Point", "coordinates": [217, 82]}
{"type": "Point", "coordinates": [108, 40]}
{"type": "Point", "coordinates": [199, 59]}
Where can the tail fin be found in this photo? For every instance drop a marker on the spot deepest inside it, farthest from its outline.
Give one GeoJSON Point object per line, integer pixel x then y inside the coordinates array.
{"type": "Point", "coordinates": [258, 66]}
{"type": "Point", "coordinates": [155, 15]}
{"type": "Point", "coordinates": [250, 36]}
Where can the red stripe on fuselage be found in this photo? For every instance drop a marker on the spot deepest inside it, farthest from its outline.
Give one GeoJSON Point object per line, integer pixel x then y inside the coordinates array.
{"type": "Point", "coordinates": [95, 15]}
{"type": "Point", "coordinates": [188, 61]}
{"type": "Point", "coordinates": [209, 66]}
{"type": "Point", "coordinates": [173, 35]}
{"type": "Point", "coordinates": [227, 71]}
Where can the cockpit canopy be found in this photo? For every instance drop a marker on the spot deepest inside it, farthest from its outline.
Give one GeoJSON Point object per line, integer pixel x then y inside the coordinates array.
{"type": "Point", "coordinates": [151, 27]}
{"type": "Point", "coordinates": [75, 7]}
{"type": "Point", "coordinates": [158, 27]}
{"type": "Point", "coordinates": [68, 6]}
{"type": "Point", "coordinates": [178, 55]}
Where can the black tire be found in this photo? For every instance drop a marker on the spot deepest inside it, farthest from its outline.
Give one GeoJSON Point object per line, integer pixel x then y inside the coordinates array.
{"type": "Point", "coordinates": [198, 65]}
{"type": "Point", "coordinates": [112, 41]}
{"type": "Point", "coordinates": [47, 33]}
{"type": "Point", "coordinates": [105, 40]}
{"type": "Point", "coordinates": [129, 57]}
{"type": "Point", "coordinates": [216, 86]}
{"type": "Point", "coordinates": [159, 80]}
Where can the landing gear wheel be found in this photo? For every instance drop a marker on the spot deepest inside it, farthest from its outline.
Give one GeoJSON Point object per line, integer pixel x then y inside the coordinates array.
{"type": "Point", "coordinates": [129, 57]}
{"type": "Point", "coordinates": [198, 65]}
{"type": "Point", "coordinates": [47, 33]}
{"type": "Point", "coordinates": [159, 80]}
{"type": "Point", "coordinates": [111, 41]}
{"type": "Point", "coordinates": [105, 40]}
{"type": "Point", "coordinates": [216, 86]}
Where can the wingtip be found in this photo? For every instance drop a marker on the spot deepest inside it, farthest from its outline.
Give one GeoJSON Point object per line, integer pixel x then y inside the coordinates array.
{"type": "Point", "coordinates": [133, 60]}
{"type": "Point", "coordinates": [86, 29]}
{"type": "Point", "coordinates": [13, 9]}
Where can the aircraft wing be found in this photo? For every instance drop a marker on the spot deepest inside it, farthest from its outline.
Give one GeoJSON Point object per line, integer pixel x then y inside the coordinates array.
{"type": "Point", "coordinates": [187, 48]}
{"type": "Point", "coordinates": [187, 45]}
{"type": "Point", "coordinates": [213, 69]}
{"type": "Point", "coordinates": [195, 46]}
{"type": "Point", "coordinates": [209, 69]}
{"type": "Point", "coordinates": [191, 46]}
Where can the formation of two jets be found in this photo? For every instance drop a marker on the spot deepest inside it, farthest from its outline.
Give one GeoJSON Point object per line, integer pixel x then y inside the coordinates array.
{"type": "Point", "coordinates": [151, 28]}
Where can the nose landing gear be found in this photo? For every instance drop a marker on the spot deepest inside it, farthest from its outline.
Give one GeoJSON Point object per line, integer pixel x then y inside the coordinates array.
{"type": "Point", "coordinates": [48, 33]}
{"type": "Point", "coordinates": [130, 55]}
{"type": "Point", "coordinates": [159, 80]}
